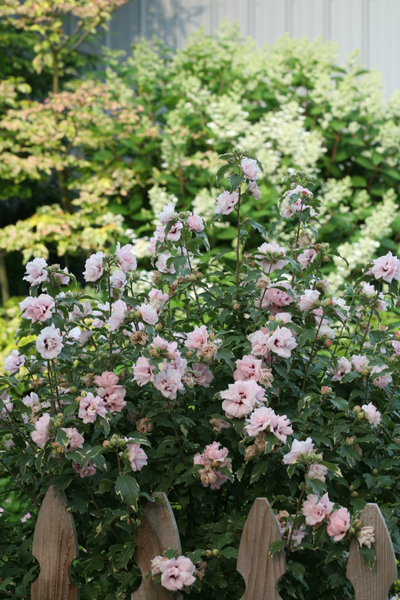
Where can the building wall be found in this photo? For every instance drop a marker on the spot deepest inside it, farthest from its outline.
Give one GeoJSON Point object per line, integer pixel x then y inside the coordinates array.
{"type": "Point", "coordinates": [370, 25]}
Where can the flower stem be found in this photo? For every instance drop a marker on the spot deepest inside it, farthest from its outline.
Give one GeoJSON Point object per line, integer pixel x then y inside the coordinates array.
{"type": "Point", "coordinates": [297, 511]}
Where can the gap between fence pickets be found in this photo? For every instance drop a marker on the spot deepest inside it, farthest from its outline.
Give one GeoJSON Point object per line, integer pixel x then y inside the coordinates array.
{"type": "Point", "coordinates": [55, 546]}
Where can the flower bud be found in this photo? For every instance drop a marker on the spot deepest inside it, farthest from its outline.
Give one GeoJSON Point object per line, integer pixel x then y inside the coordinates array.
{"type": "Point", "coordinates": [328, 343]}
{"type": "Point", "coordinates": [354, 494]}
{"type": "Point", "coordinates": [351, 488]}
{"type": "Point", "coordinates": [158, 327]}
{"type": "Point", "coordinates": [236, 306]}
{"type": "Point", "coordinates": [325, 390]}
{"type": "Point", "coordinates": [215, 552]}
{"type": "Point", "coordinates": [375, 472]}
{"type": "Point", "coordinates": [326, 258]}
{"type": "Point", "coordinates": [73, 390]}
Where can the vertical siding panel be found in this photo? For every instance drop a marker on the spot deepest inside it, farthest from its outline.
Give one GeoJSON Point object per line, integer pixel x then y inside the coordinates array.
{"type": "Point", "coordinates": [270, 21]}
{"type": "Point", "coordinates": [308, 18]}
{"type": "Point", "coordinates": [384, 41]}
{"type": "Point", "coordinates": [346, 25]}
{"type": "Point", "coordinates": [124, 28]}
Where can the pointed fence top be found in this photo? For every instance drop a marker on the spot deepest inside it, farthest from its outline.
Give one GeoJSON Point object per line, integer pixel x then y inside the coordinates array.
{"type": "Point", "coordinates": [157, 533]}
{"type": "Point", "coordinates": [373, 585]}
{"type": "Point", "coordinates": [260, 571]}
{"type": "Point", "coordinates": [55, 546]}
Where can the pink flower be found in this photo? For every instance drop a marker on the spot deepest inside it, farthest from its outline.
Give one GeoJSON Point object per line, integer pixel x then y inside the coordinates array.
{"type": "Point", "coordinates": [143, 371]}
{"type": "Point", "coordinates": [308, 299]}
{"type": "Point", "coordinates": [94, 267]}
{"type": "Point", "coordinates": [118, 280]}
{"type": "Point", "coordinates": [161, 263]}
{"type": "Point", "coordinates": [269, 248]}
{"type": "Point", "coordinates": [259, 342]}
{"type": "Point", "coordinates": [37, 309]}
{"type": "Point", "coordinates": [106, 379]}
{"type": "Point", "coordinates": [126, 260]}
{"type": "Point", "coordinates": [168, 349]}
{"type": "Point", "coordinates": [119, 310]}
{"type": "Point", "coordinates": [80, 312]}
{"type": "Point", "coordinates": [14, 362]}
{"type": "Point", "coordinates": [175, 232]}
{"type": "Point", "coordinates": [33, 402]}
{"type": "Point", "coordinates": [49, 342]}
{"type": "Point", "coordinates": [75, 439]}
{"type": "Point", "coordinates": [86, 471]}
{"type": "Point", "coordinates": [202, 374]}
{"type": "Point", "coordinates": [317, 471]}
{"type": "Point", "coordinates": [221, 479]}
{"type": "Point", "coordinates": [298, 535]}
{"type": "Point", "coordinates": [137, 457]}
{"type": "Point", "coordinates": [250, 168]}
{"type": "Point", "coordinates": [195, 223]}
{"type": "Point", "coordinates": [396, 347]}
{"type": "Point", "coordinates": [42, 428]}
{"type": "Point", "coordinates": [113, 397]}
{"type": "Point", "coordinates": [90, 406]}
{"type": "Point", "coordinates": [226, 202]}
{"type": "Point", "coordinates": [167, 213]}
{"type": "Point", "coordinates": [215, 453]}
{"type": "Point", "coordinates": [168, 381]}
{"type": "Point", "coordinates": [383, 380]}
{"type": "Point", "coordinates": [25, 518]}
{"type": "Point", "coordinates": [254, 190]}
{"type": "Point", "coordinates": [259, 420]}
{"type": "Point", "coordinates": [372, 415]}
{"type": "Point", "coordinates": [248, 367]}
{"type": "Point", "coordinates": [158, 299]}
{"type": "Point", "coordinates": [367, 288]}
{"type": "Point", "coordinates": [307, 257]}
{"type": "Point", "coordinates": [281, 427]}
{"type": "Point", "coordinates": [148, 313]}
{"type": "Point", "coordinates": [284, 317]}
{"type": "Point", "coordinates": [386, 267]}
{"type": "Point", "coordinates": [282, 342]}
{"type": "Point", "coordinates": [339, 523]}
{"type": "Point", "coordinates": [62, 279]}
{"type": "Point", "coordinates": [344, 366]}
{"type": "Point", "coordinates": [241, 397]}
{"type": "Point", "coordinates": [316, 512]}
{"type": "Point", "coordinates": [36, 271]}
{"type": "Point", "coordinates": [298, 450]}
{"type": "Point", "coordinates": [197, 338]}
{"type": "Point", "coordinates": [177, 573]}
{"type": "Point", "coordinates": [359, 362]}
{"type": "Point", "coordinates": [275, 297]}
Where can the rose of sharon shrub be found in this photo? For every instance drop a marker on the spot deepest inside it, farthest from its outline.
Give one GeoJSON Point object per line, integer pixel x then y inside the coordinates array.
{"type": "Point", "coordinates": [218, 383]}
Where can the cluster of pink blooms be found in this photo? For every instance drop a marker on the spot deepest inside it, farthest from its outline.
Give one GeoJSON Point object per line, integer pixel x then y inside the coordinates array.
{"type": "Point", "coordinates": [317, 511]}
{"type": "Point", "coordinates": [37, 309]}
{"type": "Point", "coordinates": [290, 206]}
{"type": "Point", "coordinates": [42, 433]}
{"type": "Point", "coordinates": [281, 341]}
{"type": "Point", "coordinates": [265, 419]}
{"type": "Point", "coordinates": [227, 201]}
{"type": "Point", "coordinates": [213, 458]}
{"type": "Point", "coordinates": [176, 573]}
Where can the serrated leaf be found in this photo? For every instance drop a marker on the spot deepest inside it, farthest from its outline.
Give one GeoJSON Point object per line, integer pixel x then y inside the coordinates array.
{"type": "Point", "coordinates": [276, 547]}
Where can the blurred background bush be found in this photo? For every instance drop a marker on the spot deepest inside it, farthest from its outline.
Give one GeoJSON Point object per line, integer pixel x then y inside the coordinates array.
{"type": "Point", "coordinates": [93, 145]}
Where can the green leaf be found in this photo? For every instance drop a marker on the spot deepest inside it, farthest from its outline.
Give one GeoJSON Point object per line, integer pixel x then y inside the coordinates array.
{"type": "Point", "coordinates": [257, 226]}
{"type": "Point", "coordinates": [369, 555]}
{"type": "Point", "coordinates": [308, 334]}
{"type": "Point", "coordinates": [333, 468]}
{"type": "Point", "coordinates": [276, 547]}
{"type": "Point", "coordinates": [350, 376]}
{"type": "Point", "coordinates": [320, 536]}
{"type": "Point", "coordinates": [221, 172]}
{"type": "Point", "coordinates": [235, 181]}
{"type": "Point", "coordinates": [127, 487]}
{"type": "Point", "coordinates": [340, 403]}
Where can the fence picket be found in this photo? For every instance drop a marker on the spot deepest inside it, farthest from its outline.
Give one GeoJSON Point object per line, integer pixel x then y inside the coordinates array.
{"type": "Point", "coordinates": [55, 546]}
{"type": "Point", "coordinates": [157, 533]}
{"type": "Point", "coordinates": [373, 585]}
{"type": "Point", "coordinates": [260, 572]}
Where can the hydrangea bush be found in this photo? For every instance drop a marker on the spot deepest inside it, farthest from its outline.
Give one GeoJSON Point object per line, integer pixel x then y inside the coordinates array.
{"type": "Point", "coordinates": [217, 384]}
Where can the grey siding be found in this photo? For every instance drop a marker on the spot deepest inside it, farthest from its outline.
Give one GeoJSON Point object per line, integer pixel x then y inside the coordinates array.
{"type": "Point", "coordinates": [370, 25]}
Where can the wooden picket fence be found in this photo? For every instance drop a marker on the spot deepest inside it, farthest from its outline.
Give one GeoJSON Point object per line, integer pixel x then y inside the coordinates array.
{"type": "Point", "coordinates": [55, 546]}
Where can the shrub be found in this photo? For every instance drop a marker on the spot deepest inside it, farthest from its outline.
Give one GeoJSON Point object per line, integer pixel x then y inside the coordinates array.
{"type": "Point", "coordinates": [224, 382]}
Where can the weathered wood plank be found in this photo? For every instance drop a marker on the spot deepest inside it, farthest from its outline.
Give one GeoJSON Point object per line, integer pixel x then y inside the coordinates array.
{"type": "Point", "coordinates": [157, 533]}
{"type": "Point", "coordinates": [373, 585]}
{"type": "Point", "coordinates": [260, 572]}
{"type": "Point", "coordinates": [55, 546]}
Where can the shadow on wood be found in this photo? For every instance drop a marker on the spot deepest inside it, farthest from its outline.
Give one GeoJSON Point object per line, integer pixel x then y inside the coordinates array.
{"type": "Point", "coordinates": [55, 546]}
{"type": "Point", "coordinates": [373, 585]}
{"type": "Point", "coordinates": [260, 572]}
{"type": "Point", "coordinates": [157, 533]}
